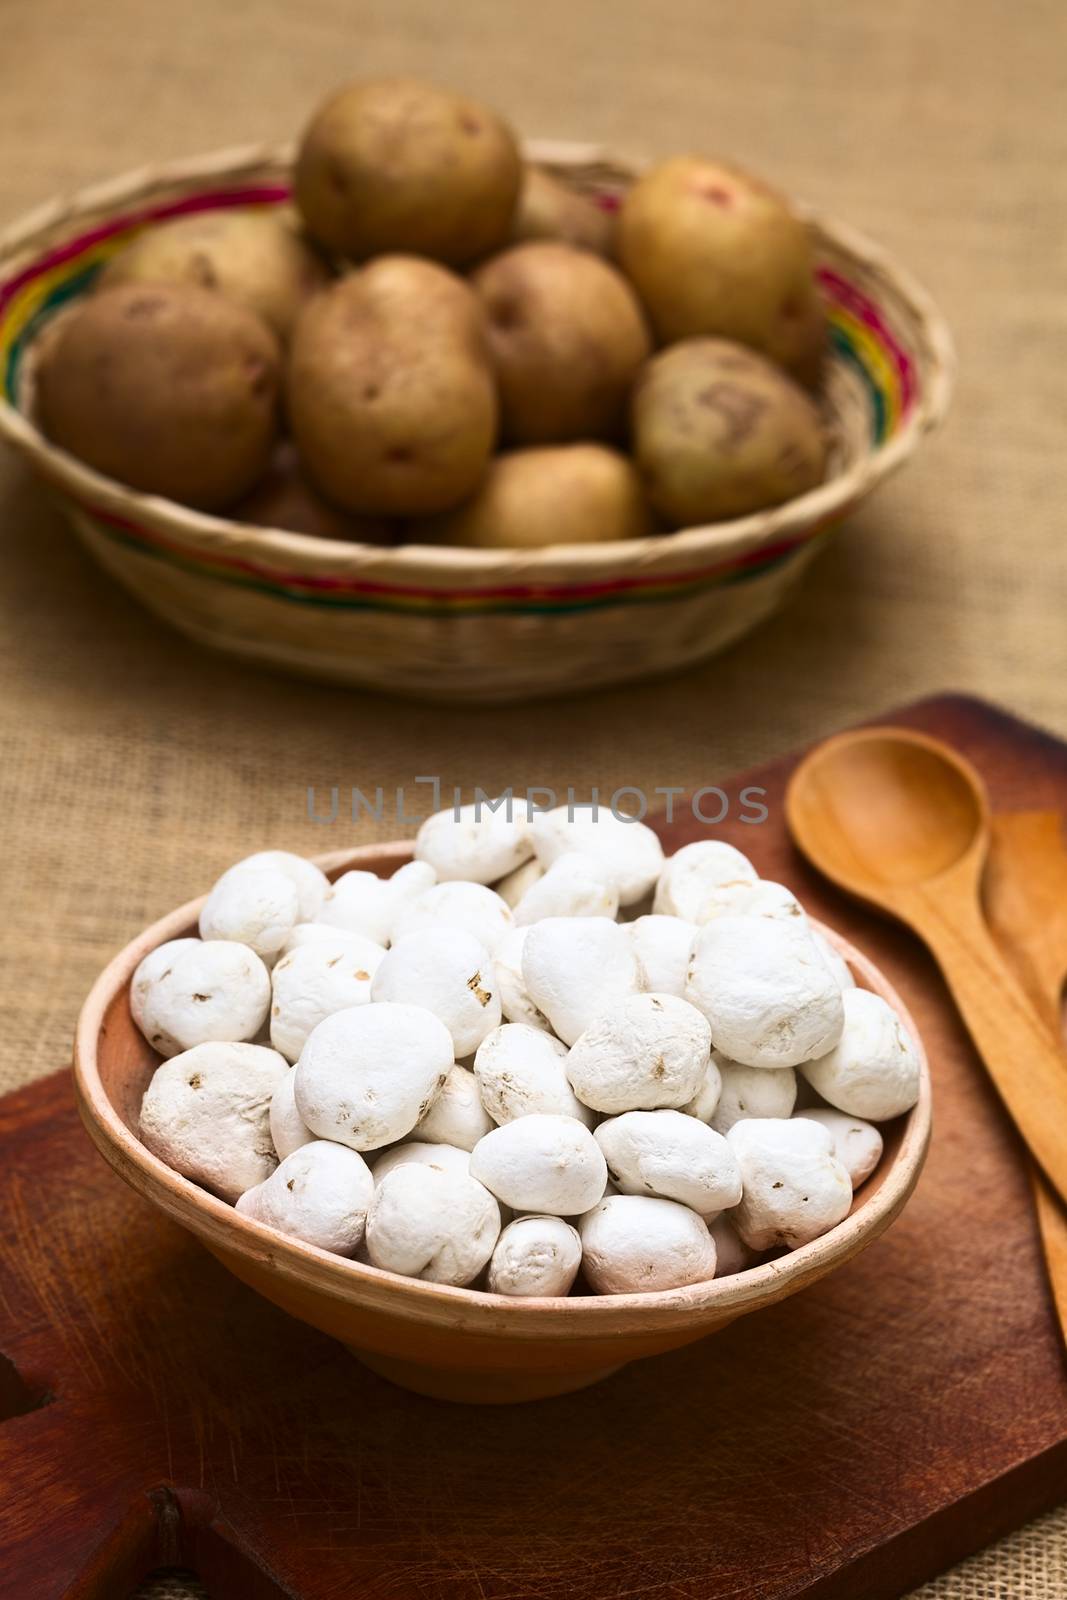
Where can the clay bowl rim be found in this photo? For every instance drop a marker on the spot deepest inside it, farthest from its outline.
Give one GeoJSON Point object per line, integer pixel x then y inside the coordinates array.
{"type": "Point", "coordinates": [224, 1229]}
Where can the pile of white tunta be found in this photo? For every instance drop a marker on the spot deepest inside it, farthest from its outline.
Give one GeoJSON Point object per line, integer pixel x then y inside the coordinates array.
{"type": "Point", "coordinates": [537, 1055]}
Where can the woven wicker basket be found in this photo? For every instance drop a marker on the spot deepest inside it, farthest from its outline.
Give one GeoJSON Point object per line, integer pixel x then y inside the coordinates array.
{"type": "Point", "coordinates": [453, 624]}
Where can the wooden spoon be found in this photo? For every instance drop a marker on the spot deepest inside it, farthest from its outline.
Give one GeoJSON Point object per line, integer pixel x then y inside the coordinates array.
{"type": "Point", "coordinates": [1025, 896]}
{"type": "Point", "coordinates": [901, 821]}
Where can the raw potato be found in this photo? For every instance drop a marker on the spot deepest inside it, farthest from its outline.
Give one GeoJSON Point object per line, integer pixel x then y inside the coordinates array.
{"type": "Point", "coordinates": [396, 164]}
{"type": "Point", "coordinates": [319, 1193]}
{"type": "Point", "coordinates": [719, 432]}
{"type": "Point", "coordinates": [714, 251]}
{"type": "Point", "coordinates": [255, 258]}
{"type": "Point", "coordinates": [557, 494]}
{"type": "Point", "coordinates": [635, 1244]}
{"type": "Point", "coordinates": [567, 337]}
{"type": "Point", "coordinates": [168, 388]}
{"type": "Point", "coordinates": [390, 392]}
{"type": "Point", "coordinates": [430, 1222]}
{"type": "Point", "coordinates": [206, 1113]}
{"type": "Point", "coordinates": [535, 1255]}
{"type": "Point", "coordinates": [550, 209]}
{"type": "Point", "coordinates": [286, 499]}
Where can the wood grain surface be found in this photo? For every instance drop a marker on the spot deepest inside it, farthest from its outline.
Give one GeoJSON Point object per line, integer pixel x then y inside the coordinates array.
{"type": "Point", "coordinates": [847, 1443]}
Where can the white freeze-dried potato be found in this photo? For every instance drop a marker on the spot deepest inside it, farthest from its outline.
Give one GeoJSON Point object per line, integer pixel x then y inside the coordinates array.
{"type": "Point", "coordinates": [636, 1244]}
{"type": "Point", "coordinates": [669, 1154]}
{"type": "Point", "coordinates": [457, 1117]}
{"type": "Point", "coordinates": [541, 1163]}
{"type": "Point", "coordinates": [762, 984]}
{"type": "Point", "coordinates": [446, 1156]}
{"type": "Point", "coordinates": [514, 885]}
{"type": "Point", "coordinates": [704, 880]}
{"type": "Point", "coordinates": [288, 1130]}
{"type": "Point", "coordinates": [536, 1255]}
{"type": "Point", "coordinates": [256, 906]}
{"type": "Point", "coordinates": [450, 973]}
{"type": "Point", "coordinates": [361, 902]}
{"type": "Point", "coordinates": [311, 883]}
{"type": "Point", "coordinates": [628, 849]}
{"type": "Point", "coordinates": [476, 909]}
{"type": "Point", "coordinates": [478, 843]}
{"type": "Point", "coordinates": [319, 1193]}
{"type": "Point", "coordinates": [314, 932]}
{"type": "Point", "coordinates": [706, 1100]}
{"type": "Point", "coordinates": [521, 1070]}
{"type": "Point", "coordinates": [315, 980]}
{"type": "Point", "coordinates": [367, 1075]}
{"type": "Point", "coordinates": [206, 1113]}
{"type": "Point", "coordinates": [154, 966]}
{"type": "Point", "coordinates": [213, 990]}
{"type": "Point", "coordinates": [573, 886]}
{"type": "Point", "coordinates": [646, 1052]}
{"type": "Point", "coordinates": [663, 946]}
{"type": "Point", "coordinates": [752, 1092]}
{"type": "Point", "coordinates": [795, 1188]}
{"type": "Point", "coordinates": [834, 960]}
{"type": "Point", "coordinates": [574, 968]}
{"type": "Point", "coordinates": [514, 999]}
{"type": "Point", "coordinates": [427, 1222]}
{"type": "Point", "coordinates": [857, 1144]}
{"type": "Point", "coordinates": [769, 899]}
{"type": "Point", "coordinates": [731, 1253]}
{"type": "Point", "coordinates": [873, 1069]}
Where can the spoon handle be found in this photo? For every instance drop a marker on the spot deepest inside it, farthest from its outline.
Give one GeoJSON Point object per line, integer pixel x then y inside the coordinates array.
{"type": "Point", "coordinates": [1019, 1052]}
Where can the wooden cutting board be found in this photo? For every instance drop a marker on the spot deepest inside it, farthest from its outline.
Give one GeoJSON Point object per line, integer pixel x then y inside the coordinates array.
{"type": "Point", "coordinates": [849, 1442]}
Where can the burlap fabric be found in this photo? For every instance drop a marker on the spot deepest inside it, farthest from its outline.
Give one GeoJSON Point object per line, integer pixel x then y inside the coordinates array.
{"type": "Point", "coordinates": [133, 767]}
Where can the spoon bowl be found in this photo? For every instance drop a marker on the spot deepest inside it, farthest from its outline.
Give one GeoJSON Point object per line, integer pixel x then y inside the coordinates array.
{"type": "Point", "coordinates": [884, 809]}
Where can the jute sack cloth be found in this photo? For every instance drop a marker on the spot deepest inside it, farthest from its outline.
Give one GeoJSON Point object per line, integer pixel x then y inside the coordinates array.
{"type": "Point", "coordinates": [134, 767]}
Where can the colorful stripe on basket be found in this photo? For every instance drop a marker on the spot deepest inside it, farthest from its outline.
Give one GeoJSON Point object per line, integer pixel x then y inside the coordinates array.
{"type": "Point", "coordinates": [859, 333]}
{"type": "Point", "coordinates": [369, 594]}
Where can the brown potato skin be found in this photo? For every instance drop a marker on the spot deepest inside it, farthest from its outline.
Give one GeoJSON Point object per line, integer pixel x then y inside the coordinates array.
{"type": "Point", "coordinates": [720, 432]}
{"type": "Point", "coordinates": [567, 336]}
{"type": "Point", "coordinates": [168, 388]}
{"type": "Point", "coordinates": [390, 394]}
{"type": "Point", "coordinates": [715, 252]}
{"type": "Point", "coordinates": [256, 258]}
{"type": "Point", "coordinates": [285, 499]}
{"type": "Point", "coordinates": [548, 209]}
{"type": "Point", "coordinates": [556, 494]}
{"type": "Point", "coordinates": [397, 165]}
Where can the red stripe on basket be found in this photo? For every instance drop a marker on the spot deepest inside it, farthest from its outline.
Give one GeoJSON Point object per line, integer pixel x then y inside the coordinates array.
{"type": "Point", "coordinates": [846, 294]}
{"type": "Point", "coordinates": [371, 586]}
{"type": "Point", "coordinates": [219, 200]}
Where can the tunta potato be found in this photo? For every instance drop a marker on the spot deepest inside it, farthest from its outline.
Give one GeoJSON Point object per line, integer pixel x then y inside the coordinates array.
{"type": "Point", "coordinates": [567, 337]}
{"type": "Point", "coordinates": [396, 164]}
{"type": "Point", "coordinates": [169, 388]}
{"type": "Point", "coordinates": [390, 392]}
{"type": "Point", "coordinates": [713, 250]}
{"type": "Point", "coordinates": [719, 432]}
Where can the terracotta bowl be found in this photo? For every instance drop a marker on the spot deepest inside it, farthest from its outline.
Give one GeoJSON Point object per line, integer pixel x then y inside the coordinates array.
{"type": "Point", "coordinates": [454, 1344]}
